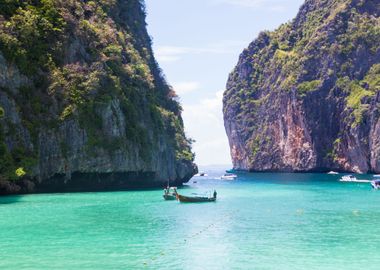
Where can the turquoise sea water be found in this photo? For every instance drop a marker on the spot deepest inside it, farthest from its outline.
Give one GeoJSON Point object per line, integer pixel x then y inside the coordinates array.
{"type": "Point", "coordinates": [260, 221]}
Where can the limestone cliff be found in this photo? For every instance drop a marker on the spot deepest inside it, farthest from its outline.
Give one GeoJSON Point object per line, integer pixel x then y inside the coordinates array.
{"type": "Point", "coordinates": [83, 103]}
{"type": "Point", "coordinates": [306, 96]}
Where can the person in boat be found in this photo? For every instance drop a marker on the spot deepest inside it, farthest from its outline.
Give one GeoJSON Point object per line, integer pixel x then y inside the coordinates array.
{"type": "Point", "coordinates": [215, 194]}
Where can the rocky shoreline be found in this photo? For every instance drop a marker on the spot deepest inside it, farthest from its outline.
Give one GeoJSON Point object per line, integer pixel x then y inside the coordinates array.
{"type": "Point", "coordinates": [93, 182]}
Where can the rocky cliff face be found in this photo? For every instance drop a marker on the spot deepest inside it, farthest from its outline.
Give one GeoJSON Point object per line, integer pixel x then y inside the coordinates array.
{"type": "Point", "coordinates": [83, 103]}
{"type": "Point", "coordinates": [306, 96]}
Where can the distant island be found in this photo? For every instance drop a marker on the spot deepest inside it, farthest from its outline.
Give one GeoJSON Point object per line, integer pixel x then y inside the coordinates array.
{"type": "Point", "coordinates": [305, 97]}
{"type": "Point", "coordinates": [83, 103]}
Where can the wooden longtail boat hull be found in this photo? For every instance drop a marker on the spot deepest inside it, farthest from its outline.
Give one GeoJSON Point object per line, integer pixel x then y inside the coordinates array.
{"type": "Point", "coordinates": [182, 198]}
{"type": "Point", "coordinates": [169, 197]}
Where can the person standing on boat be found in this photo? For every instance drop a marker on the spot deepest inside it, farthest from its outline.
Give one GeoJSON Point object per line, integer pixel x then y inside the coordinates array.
{"type": "Point", "coordinates": [215, 194]}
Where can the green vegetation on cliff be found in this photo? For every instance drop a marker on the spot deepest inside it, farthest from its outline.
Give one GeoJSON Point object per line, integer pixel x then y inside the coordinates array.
{"type": "Point", "coordinates": [81, 58]}
{"type": "Point", "coordinates": [319, 76]}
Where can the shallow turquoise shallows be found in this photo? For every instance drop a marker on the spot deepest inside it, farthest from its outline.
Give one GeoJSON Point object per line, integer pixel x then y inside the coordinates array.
{"type": "Point", "coordinates": [260, 221]}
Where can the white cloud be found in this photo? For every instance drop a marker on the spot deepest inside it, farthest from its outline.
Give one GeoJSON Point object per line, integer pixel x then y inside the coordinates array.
{"type": "Point", "coordinates": [169, 53]}
{"type": "Point", "coordinates": [273, 5]}
{"type": "Point", "coordinates": [278, 8]}
{"type": "Point", "coordinates": [175, 53]}
{"type": "Point", "coordinates": [185, 87]}
{"type": "Point", "coordinates": [204, 123]}
{"type": "Point", "coordinates": [245, 3]}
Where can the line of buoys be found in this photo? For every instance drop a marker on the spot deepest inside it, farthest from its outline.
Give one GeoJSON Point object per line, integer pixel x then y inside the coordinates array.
{"type": "Point", "coordinates": [162, 253]}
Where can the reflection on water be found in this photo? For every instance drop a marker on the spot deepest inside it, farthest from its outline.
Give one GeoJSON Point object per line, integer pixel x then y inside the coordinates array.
{"type": "Point", "coordinates": [10, 199]}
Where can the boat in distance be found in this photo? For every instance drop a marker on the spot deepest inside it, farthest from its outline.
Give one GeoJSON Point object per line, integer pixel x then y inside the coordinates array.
{"type": "Point", "coordinates": [375, 184]}
{"type": "Point", "coordinates": [351, 178]}
{"type": "Point", "coordinates": [348, 178]}
{"type": "Point", "coordinates": [228, 176]}
{"type": "Point", "coordinates": [201, 174]}
{"type": "Point", "coordinates": [194, 199]}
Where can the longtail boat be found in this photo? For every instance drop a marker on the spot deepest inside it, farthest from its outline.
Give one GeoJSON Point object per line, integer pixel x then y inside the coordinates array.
{"type": "Point", "coordinates": [170, 193]}
{"type": "Point", "coordinates": [194, 199]}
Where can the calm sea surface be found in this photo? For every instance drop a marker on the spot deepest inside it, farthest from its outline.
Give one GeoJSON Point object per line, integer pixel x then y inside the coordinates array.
{"type": "Point", "coordinates": [260, 221]}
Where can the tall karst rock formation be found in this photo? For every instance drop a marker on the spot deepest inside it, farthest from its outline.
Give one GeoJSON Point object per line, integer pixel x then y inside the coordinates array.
{"type": "Point", "coordinates": [83, 103]}
{"type": "Point", "coordinates": [306, 97]}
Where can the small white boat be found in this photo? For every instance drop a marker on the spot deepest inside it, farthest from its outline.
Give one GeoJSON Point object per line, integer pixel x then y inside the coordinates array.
{"type": "Point", "coordinates": [348, 178]}
{"type": "Point", "coordinates": [351, 178]}
{"type": "Point", "coordinates": [376, 175]}
{"type": "Point", "coordinates": [375, 184]}
{"type": "Point", "coordinates": [332, 172]}
{"type": "Point", "coordinates": [228, 176]}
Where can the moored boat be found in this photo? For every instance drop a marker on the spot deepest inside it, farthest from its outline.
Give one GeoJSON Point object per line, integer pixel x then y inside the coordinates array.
{"type": "Point", "coordinates": [170, 193]}
{"type": "Point", "coordinates": [332, 172]}
{"type": "Point", "coordinates": [375, 184]}
{"type": "Point", "coordinates": [228, 176]}
{"type": "Point", "coordinates": [193, 199]}
{"type": "Point", "coordinates": [201, 174]}
{"type": "Point", "coordinates": [348, 178]}
{"type": "Point", "coordinates": [351, 178]}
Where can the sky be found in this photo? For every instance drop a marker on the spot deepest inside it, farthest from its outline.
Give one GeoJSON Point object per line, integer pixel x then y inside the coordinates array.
{"type": "Point", "coordinates": [197, 44]}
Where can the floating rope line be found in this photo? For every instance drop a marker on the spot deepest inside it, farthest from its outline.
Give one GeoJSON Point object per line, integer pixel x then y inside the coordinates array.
{"type": "Point", "coordinates": [187, 240]}
{"type": "Point", "coordinates": [229, 215]}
